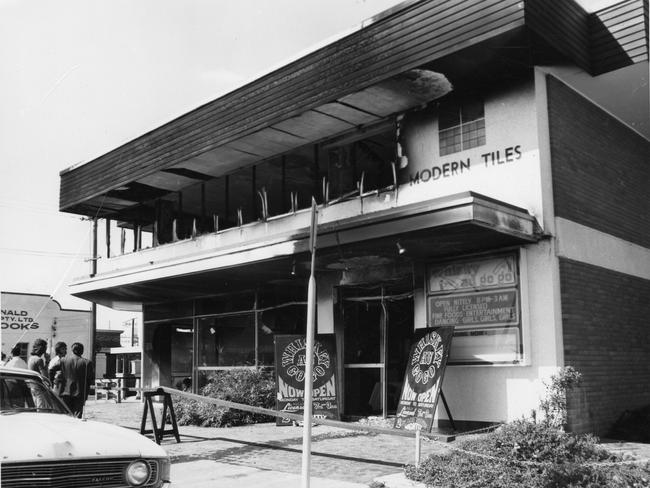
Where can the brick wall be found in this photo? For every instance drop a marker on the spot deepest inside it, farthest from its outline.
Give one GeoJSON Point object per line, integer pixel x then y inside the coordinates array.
{"type": "Point", "coordinates": [601, 168]}
{"type": "Point", "coordinates": [606, 328]}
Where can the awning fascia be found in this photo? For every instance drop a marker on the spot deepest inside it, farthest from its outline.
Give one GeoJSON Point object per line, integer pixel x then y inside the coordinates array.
{"type": "Point", "coordinates": [465, 208]}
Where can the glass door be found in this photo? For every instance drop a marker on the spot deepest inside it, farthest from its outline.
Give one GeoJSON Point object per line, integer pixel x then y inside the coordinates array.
{"type": "Point", "coordinates": [399, 336]}
{"type": "Point", "coordinates": [377, 331]}
{"type": "Point", "coordinates": [363, 355]}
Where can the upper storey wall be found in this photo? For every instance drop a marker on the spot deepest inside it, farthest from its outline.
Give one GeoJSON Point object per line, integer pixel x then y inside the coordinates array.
{"type": "Point", "coordinates": [600, 167]}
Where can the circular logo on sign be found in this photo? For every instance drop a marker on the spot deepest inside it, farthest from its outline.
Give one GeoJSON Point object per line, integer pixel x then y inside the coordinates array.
{"type": "Point", "coordinates": [293, 362]}
{"type": "Point", "coordinates": [425, 362]}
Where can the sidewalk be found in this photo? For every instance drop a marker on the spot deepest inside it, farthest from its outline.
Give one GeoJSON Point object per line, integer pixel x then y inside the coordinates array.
{"type": "Point", "coordinates": [266, 455]}
{"type": "Point", "coordinates": [340, 457]}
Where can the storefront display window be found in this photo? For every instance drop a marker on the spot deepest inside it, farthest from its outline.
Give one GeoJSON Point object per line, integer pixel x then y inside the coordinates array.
{"type": "Point", "coordinates": [227, 341]}
{"type": "Point", "coordinates": [197, 338]}
{"type": "Point", "coordinates": [181, 352]}
{"type": "Point", "coordinates": [481, 299]}
{"type": "Point", "coordinates": [290, 319]}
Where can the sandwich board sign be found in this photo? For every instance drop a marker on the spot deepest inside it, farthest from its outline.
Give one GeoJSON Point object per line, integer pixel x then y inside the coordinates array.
{"type": "Point", "coordinates": [290, 376]}
{"type": "Point", "coordinates": [423, 379]}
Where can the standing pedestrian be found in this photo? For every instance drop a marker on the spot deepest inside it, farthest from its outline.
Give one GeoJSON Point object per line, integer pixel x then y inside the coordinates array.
{"type": "Point", "coordinates": [36, 362]}
{"type": "Point", "coordinates": [16, 361]}
{"type": "Point", "coordinates": [54, 369]}
{"type": "Point", "coordinates": [78, 375]}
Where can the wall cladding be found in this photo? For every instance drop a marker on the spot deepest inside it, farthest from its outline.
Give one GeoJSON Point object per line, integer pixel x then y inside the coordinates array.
{"type": "Point", "coordinates": [619, 35]}
{"type": "Point", "coordinates": [600, 167]}
{"type": "Point", "coordinates": [407, 38]}
{"type": "Point", "coordinates": [607, 339]}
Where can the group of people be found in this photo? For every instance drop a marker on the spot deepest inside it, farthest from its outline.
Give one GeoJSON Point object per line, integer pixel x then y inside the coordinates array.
{"type": "Point", "coordinates": [69, 376]}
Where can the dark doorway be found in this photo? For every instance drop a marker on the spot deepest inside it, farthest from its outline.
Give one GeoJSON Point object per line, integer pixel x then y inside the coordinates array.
{"type": "Point", "coordinates": [377, 333]}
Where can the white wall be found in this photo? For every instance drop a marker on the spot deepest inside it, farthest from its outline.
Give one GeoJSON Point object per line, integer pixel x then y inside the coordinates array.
{"type": "Point", "coordinates": [28, 317]}
{"type": "Point", "coordinates": [511, 122]}
{"type": "Point", "coordinates": [503, 393]}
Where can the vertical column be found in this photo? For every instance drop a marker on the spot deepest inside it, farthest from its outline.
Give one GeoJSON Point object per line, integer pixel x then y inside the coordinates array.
{"type": "Point", "coordinates": [108, 238]}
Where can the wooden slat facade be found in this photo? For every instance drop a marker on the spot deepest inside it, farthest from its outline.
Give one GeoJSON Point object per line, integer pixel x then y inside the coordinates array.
{"type": "Point", "coordinates": [254, 121]}
{"type": "Point", "coordinates": [563, 24]}
{"type": "Point", "coordinates": [408, 38]}
{"type": "Point", "coordinates": [619, 35]}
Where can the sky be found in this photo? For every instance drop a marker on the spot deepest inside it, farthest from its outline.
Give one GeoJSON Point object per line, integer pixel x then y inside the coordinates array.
{"type": "Point", "coordinates": [81, 77]}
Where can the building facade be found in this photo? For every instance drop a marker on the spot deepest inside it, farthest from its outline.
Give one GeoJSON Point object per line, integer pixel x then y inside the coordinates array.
{"type": "Point", "coordinates": [466, 174]}
{"type": "Point", "coordinates": [28, 316]}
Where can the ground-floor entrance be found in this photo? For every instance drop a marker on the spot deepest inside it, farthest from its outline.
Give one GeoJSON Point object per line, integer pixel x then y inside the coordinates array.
{"type": "Point", "coordinates": [373, 328]}
{"type": "Point", "coordinates": [377, 323]}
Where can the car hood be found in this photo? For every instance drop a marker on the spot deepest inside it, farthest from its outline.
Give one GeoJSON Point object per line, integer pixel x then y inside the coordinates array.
{"type": "Point", "coordinates": [45, 437]}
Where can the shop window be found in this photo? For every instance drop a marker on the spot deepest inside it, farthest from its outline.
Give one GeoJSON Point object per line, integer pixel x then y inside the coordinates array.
{"type": "Point", "coordinates": [481, 299]}
{"type": "Point", "coordinates": [461, 125]}
{"type": "Point", "coordinates": [291, 319]}
{"type": "Point", "coordinates": [168, 310]}
{"type": "Point", "coordinates": [181, 352]}
{"type": "Point", "coordinates": [167, 352]}
{"type": "Point", "coordinates": [227, 341]}
{"type": "Point", "coordinates": [224, 304]}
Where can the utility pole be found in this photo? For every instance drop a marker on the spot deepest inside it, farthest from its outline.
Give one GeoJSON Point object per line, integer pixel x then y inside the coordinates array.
{"type": "Point", "coordinates": [309, 351]}
{"type": "Point", "coordinates": [93, 313]}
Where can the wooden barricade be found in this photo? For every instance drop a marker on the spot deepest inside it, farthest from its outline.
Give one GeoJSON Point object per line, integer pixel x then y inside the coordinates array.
{"type": "Point", "coordinates": [159, 432]}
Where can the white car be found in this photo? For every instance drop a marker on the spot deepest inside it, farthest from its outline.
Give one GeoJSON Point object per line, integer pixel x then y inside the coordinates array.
{"type": "Point", "coordinates": [43, 445]}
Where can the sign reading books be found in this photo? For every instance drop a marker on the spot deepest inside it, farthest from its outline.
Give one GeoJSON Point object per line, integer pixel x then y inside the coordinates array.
{"type": "Point", "coordinates": [290, 376]}
{"type": "Point", "coordinates": [423, 379]}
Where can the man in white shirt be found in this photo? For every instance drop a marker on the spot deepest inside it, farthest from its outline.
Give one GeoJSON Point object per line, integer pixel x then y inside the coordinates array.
{"type": "Point", "coordinates": [16, 361]}
{"type": "Point", "coordinates": [54, 369]}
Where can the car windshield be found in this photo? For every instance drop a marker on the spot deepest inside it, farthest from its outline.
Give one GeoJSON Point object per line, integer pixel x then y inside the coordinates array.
{"type": "Point", "coordinates": [24, 394]}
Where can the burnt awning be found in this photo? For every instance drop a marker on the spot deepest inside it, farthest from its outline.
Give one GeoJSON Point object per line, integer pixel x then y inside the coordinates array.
{"type": "Point", "coordinates": [462, 223]}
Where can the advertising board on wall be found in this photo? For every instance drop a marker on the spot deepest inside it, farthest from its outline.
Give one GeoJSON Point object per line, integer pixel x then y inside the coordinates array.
{"type": "Point", "coordinates": [480, 297]}
{"type": "Point", "coordinates": [480, 308]}
{"type": "Point", "coordinates": [290, 376]}
{"type": "Point", "coordinates": [26, 317]}
{"type": "Point", "coordinates": [423, 379]}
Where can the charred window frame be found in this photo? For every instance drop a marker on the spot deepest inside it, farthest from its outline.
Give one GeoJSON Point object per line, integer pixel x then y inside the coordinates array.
{"type": "Point", "coordinates": [360, 160]}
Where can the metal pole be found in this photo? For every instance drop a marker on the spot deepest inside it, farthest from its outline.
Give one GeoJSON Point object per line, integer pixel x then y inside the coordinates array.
{"type": "Point", "coordinates": [93, 314]}
{"type": "Point", "coordinates": [418, 446]}
{"type": "Point", "coordinates": [309, 353]}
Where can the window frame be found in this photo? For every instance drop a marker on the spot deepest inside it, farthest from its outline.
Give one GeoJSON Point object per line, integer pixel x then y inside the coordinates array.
{"type": "Point", "coordinates": [459, 130]}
